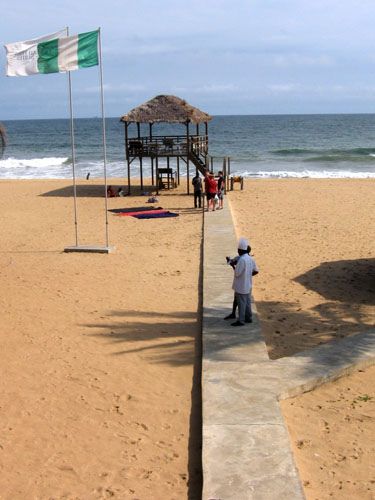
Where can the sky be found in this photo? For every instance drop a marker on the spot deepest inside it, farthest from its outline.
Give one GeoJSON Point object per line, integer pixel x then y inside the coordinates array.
{"type": "Point", "coordinates": [226, 57]}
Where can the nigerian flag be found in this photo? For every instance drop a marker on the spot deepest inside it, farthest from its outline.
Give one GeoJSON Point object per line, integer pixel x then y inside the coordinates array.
{"type": "Point", "coordinates": [53, 53]}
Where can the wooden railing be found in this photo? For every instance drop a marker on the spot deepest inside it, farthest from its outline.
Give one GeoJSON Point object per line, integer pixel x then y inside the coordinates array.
{"type": "Point", "coordinates": [167, 145]}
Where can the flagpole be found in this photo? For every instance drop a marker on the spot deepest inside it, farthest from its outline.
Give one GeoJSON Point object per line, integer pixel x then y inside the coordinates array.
{"type": "Point", "coordinates": [72, 141]}
{"type": "Point", "coordinates": [104, 137]}
{"type": "Point", "coordinates": [73, 156]}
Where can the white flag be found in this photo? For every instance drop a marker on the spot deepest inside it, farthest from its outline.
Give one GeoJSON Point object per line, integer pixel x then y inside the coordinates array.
{"type": "Point", "coordinates": [22, 57]}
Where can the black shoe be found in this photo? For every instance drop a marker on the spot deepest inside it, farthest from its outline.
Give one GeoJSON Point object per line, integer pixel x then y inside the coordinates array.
{"type": "Point", "coordinates": [238, 323]}
{"type": "Point", "coordinates": [230, 316]}
{"type": "Point", "coordinates": [248, 320]}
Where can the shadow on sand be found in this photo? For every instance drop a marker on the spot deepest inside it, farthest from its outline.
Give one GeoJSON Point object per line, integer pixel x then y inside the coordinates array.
{"type": "Point", "coordinates": [94, 190]}
{"type": "Point", "coordinates": [157, 335]}
{"type": "Point", "coordinates": [350, 281]}
{"type": "Point", "coordinates": [176, 338]}
{"type": "Point", "coordinates": [98, 191]}
{"type": "Point", "coordinates": [347, 286]}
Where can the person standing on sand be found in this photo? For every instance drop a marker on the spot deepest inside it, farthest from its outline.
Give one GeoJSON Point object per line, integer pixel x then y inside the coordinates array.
{"type": "Point", "coordinates": [197, 183]}
{"type": "Point", "coordinates": [221, 189]}
{"type": "Point", "coordinates": [244, 271]}
{"type": "Point", "coordinates": [211, 190]}
{"type": "Point", "coordinates": [233, 262]}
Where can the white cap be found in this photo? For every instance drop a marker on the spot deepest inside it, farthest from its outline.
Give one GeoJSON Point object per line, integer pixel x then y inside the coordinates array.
{"type": "Point", "coordinates": [243, 244]}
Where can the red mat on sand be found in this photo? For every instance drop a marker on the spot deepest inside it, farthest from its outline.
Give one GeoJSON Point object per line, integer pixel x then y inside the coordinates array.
{"type": "Point", "coordinates": [157, 211]}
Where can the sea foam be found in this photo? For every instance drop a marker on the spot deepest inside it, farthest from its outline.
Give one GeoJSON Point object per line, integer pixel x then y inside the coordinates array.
{"type": "Point", "coordinates": [312, 174]}
{"type": "Point", "coordinates": [25, 168]}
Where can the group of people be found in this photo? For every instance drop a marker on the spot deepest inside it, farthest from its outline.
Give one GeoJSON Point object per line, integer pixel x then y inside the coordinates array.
{"type": "Point", "coordinates": [214, 189]}
{"type": "Point", "coordinates": [245, 268]}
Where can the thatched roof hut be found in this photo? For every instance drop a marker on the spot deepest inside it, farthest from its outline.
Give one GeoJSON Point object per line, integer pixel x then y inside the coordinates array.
{"type": "Point", "coordinates": [166, 108]}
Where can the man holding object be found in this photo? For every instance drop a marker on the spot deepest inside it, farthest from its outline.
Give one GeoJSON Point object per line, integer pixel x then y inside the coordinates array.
{"type": "Point", "coordinates": [244, 271]}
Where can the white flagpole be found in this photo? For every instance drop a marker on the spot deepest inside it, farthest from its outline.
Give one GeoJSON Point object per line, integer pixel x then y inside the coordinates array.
{"type": "Point", "coordinates": [73, 151]}
{"type": "Point", "coordinates": [90, 248]}
{"type": "Point", "coordinates": [73, 156]}
{"type": "Point", "coordinates": [104, 138]}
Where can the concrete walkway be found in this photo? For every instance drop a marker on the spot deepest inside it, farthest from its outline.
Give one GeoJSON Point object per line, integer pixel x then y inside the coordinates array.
{"type": "Point", "coordinates": [246, 448]}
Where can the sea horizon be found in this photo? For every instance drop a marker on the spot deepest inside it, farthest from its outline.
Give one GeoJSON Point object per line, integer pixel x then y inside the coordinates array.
{"type": "Point", "coordinates": [97, 117]}
{"type": "Point", "coordinates": [297, 145]}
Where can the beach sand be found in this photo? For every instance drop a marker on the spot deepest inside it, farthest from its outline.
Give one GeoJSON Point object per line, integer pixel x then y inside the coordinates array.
{"type": "Point", "coordinates": [332, 436]}
{"type": "Point", "coordinates": [98, 351]}
{"type": "Point", "coordinates": [100, 361]}
{"type": "Point", "coordinates": [314, 242]}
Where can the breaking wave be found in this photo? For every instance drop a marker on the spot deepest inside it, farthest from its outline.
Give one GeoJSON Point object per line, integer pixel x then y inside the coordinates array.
{"type": "Point", "coordinates": [353, 155]}
{"type": "Point", "coordinates": [311, 174]}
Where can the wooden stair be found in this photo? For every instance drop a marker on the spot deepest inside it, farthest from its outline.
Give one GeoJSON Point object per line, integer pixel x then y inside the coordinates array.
{"type": "Point", "coordinates": [198, 162]}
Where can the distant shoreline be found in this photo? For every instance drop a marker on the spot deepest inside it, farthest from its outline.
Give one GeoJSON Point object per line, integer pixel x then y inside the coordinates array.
{"type": "Point", "coordinates": [214, 116]}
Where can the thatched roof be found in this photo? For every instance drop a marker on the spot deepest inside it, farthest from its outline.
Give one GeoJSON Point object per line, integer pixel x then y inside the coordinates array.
{"type": "Point", "coordinates": [166, 108]}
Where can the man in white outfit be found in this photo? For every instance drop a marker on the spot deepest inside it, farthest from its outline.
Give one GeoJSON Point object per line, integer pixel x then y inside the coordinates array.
{"type": "Point", "coordinates": [244, 271]}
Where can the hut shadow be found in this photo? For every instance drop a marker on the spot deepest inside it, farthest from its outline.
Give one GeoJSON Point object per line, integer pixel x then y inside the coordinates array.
{"type": "Point", "coordinates": [350, 281]}
{"type": "Point", "coordinates": [82, 191]}
{"type": "Point", "coordinates": [96, 191]}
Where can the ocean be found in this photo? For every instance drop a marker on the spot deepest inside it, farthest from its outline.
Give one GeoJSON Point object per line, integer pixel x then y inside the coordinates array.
{"type": "Point", "coordinates": [269, 146]}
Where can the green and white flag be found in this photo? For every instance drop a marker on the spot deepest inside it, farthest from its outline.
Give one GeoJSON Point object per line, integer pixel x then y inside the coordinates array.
{"type": "Point", "coordinates": [53, 53]}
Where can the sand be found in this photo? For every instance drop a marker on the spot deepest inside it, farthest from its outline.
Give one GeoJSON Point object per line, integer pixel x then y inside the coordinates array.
{"type": "Point", "coordinates": [100, 353]}
{"type": "Point", "coordinates": [314, 242]}
{"type": "Point", "coordinates": [332, 435]}
{"type": "Point", "coordinates": [97, 350]}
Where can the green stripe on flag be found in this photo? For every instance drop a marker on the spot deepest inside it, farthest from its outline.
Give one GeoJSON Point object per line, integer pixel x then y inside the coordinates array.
{"type": "Point", "coordinates": [88, 49]}
{"type": "Point", "coordinates": [47, 56]}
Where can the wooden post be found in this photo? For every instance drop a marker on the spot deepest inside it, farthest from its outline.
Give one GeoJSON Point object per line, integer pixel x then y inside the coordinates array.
{"type": "Point", "coordinates": [228, 170]}
{"type": "Point", "coordinates": [152, 159]}
{"type": "Point", "coordinates": [178, 170]}
{"type": "Point", "coordinates": [140, 157]}
{"type": "Point", "coordinates": [141, 171]}
{"type": "Point", "coordinates": [152, 171]}
{"type": "Point", "coordinates": [127, 154]}
{"type": "Point", "coordinates": [212, 164]}
{"type": "Point", "coordinates": [157, 174]}
{"type": "Point", "coordinates": [225, 175]}
{"type": "Point", "coordinates": [168, 175]}
{"type": "Point", "coordinates": [187, 156]}
{"type": "Point", "coordinates": [206, 133]}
